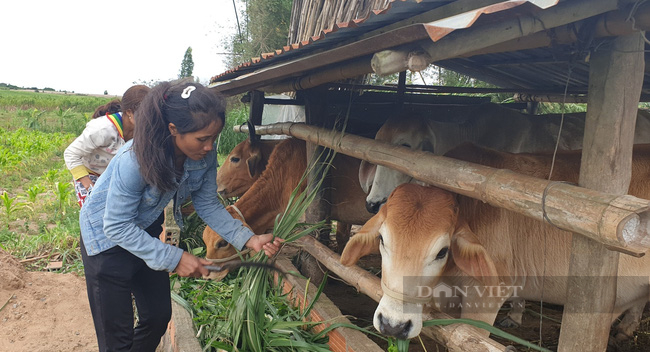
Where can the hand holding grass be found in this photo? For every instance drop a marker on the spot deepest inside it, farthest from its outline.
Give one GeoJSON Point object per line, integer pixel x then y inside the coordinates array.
{"type": "Point", "coordinates": [266, 242]}
{"type": "Point", "coordinates": [192, 266]}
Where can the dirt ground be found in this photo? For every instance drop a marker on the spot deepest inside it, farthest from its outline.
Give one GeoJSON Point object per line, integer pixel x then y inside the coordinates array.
{"type": "Point", "coordinates": [43, 311]}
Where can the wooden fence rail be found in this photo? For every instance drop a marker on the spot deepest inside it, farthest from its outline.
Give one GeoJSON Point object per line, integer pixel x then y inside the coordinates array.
{"type": "Point", "coordinates": [619, 222]}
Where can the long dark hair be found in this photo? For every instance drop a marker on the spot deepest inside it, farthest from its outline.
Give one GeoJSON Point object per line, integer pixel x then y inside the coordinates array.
{"type": "Point", "coordinates": [112, 107]}
{"type": "Point", "coordinates": [133, 96]}
{"type": "Point", "coordinates": [152, 141]}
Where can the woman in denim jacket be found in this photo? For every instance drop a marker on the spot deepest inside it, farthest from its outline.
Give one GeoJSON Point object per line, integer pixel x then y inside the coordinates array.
{"type": "Point", "coordinates": [170, 157]}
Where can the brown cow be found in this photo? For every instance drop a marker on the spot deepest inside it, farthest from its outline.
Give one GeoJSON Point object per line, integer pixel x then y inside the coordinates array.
{"type": "Point", "coordinates": [433, 243]}
{"type": "Point", "coordinates": [270, 194]}
{"type": "Point", "coordinates": [243, 166]}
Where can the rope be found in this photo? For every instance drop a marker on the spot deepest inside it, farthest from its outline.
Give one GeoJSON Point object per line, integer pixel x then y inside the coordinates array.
{"type": "Point", "coordinates": [238, 255]}
{"type": "Point", "coordinates": [238, 212]}
{"type": "Point", "coordinates": [402, 297]}
{"type": "Point", "coordinates": [545, 194]}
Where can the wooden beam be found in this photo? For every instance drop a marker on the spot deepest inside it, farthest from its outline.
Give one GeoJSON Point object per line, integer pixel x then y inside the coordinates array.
{"type": "Point", "coordinates": [615, 80]}
{"type": "Point", "coordinates": [610, 24]}
{"type": "Point", "coordinates": [474, 39]}
{"type": "Point", "coordinates": [620, 222]}
{"type": "Point", "coordinates": [456, 337]}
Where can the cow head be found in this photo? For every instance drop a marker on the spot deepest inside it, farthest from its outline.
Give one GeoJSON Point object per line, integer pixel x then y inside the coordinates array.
{"type": "Point", "coordinates": [217, 247]}
{"type": "Point", "coordinates": [380, 181]}
{"type": "Point", "coordinates": [243, 166]}
{"type": "Point", "coordinates": [416, 232]}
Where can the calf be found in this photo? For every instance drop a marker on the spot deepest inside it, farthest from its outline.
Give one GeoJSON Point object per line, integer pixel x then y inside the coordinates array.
{"type": "Point", "coordinates": [270, 194]}
{"type": "Point", "coordinates": [428, 237]}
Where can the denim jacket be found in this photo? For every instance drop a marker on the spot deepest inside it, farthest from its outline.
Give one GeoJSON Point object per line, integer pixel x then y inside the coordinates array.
{"type": "Point", "coordinates": [122, 205]}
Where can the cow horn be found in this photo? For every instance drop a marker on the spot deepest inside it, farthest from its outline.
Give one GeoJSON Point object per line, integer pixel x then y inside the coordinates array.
{"type": "Point", "coordinates": [251, 132]}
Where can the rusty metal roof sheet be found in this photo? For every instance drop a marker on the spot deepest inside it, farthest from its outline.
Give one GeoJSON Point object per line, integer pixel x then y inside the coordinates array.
{"type": "Point", "coordinates": [397, 10]}
{"type": "Point", "coordinates": [547, 68]}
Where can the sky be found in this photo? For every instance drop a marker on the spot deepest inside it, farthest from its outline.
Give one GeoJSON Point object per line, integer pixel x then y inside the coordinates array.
{"type": "Point", "coordinates": [94, 46]}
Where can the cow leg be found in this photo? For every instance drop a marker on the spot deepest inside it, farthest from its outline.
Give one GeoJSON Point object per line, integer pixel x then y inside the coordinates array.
{"type": "Point", "coordinates": [342, 235]}
{"type": "Point", "coordinates": [515, 315]}
{"type": "Point", "coordinates": [629, 322]}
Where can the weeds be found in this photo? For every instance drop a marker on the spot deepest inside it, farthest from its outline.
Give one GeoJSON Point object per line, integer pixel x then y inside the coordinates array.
{"type": "Point", "coordinates": [11, 207]}
{"type": "Point", "coordinates": [62, 190]}
{"type": "Point", "coordinates": [33, 192]}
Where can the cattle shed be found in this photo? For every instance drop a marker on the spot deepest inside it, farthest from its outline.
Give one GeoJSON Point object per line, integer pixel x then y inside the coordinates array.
{"type": "Point", "coordinates": [588, 51]}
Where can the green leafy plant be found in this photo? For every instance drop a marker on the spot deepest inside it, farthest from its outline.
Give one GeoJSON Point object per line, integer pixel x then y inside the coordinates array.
{"type": "Point", "coordinates": [11, 206]}
{"type": "Point", "coordinates": [247, 323]}
{"type": "Point", "coordinates": [34, 191]}
{"type": "Point", "coordinates": [62, 190]}
{"type": "Point", "coordinates": [34, 120]}
{"type": "Point", "coordinates": [63, 115]}
{"type": "Point", "coordinates": [51, 176]}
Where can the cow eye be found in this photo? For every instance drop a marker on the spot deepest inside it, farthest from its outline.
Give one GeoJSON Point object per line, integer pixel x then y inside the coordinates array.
{"type": "Point", "coordinates": [406, 145]}
{"type": "Point", "coordinates": [222, 244]}
{"type": "Point", "coordinates": [443, 253]}
{"type": "Point", "coordinates": [381, 240]}
{"type": "Point", "coordinates": [234, 159]}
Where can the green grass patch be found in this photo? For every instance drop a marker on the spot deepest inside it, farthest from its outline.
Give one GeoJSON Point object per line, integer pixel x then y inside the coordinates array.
{"type": "Point", "coordinates": [23, 100]}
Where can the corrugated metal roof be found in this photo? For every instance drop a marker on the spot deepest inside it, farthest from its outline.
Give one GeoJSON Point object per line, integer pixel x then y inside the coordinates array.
{"type": "Point", "coordinates": [340, 34]}
{"type": "Point", "coordinates": [548, 68]}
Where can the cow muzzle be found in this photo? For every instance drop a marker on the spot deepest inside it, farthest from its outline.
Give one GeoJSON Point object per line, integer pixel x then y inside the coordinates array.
{"type": "Point", "coordinates": [398, 319]}
{"type": "Point", "coordinates": [399, 330]}
{"type": "Point", "coordinates": [373, 207]}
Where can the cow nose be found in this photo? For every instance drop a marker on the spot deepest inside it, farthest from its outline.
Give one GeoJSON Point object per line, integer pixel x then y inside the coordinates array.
{"type": "Point", "coordinates": [399, 331]}
{"type": "Point", "coordinates": [373, 207]}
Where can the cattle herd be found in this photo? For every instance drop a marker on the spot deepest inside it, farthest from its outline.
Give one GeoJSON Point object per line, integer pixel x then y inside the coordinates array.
{"type": "Point", "coordinates": [452, 252]}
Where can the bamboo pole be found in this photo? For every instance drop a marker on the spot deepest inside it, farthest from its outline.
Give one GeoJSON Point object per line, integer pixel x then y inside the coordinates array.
{"type": "Point", "coordinates": [618, 222]}
{"type": "Point", "coordinates": [456, 337]}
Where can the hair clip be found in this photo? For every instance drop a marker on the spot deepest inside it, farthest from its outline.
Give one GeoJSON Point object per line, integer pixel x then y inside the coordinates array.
{"type": "Point", "coordinates": [187, 91]}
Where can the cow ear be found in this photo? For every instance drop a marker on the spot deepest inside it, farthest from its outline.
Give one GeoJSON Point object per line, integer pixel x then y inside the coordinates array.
{"type": "Point", "coordinates": [253, 161]}
{"type": "Point", "coordinates": [366, 175]}
{"type": "Point", "coordinates": [471, 257]}
{"type": "Point", "coordinates": [365, 242]}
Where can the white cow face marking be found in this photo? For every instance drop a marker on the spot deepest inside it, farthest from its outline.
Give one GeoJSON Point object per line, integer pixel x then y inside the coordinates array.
{"type": "Point", "coordinates": [410, 132]}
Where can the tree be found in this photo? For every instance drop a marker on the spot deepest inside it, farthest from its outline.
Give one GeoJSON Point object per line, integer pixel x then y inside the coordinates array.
{"type": "Point", "coordinates": [265, 28]}
{"type": "Point", "coordinates": [187, 65]}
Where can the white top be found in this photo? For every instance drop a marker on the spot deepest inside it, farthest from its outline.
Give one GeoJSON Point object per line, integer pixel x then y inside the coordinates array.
{"type": "Point", "coordinates": [93, 149]}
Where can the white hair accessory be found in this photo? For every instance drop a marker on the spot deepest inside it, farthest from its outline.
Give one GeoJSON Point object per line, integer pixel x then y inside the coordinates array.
{"type": "Point", "coordinates": [187, 91]}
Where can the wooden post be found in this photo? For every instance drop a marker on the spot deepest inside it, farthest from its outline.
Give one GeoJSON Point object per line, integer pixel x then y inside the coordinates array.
{"type": "Point", "coordinates": [256, 107]}
{"type": "Point", "coordinates": [319, 209]}
{"type": "Point", "coordinates": [316, 115]}
{"type": "Point", "coordinates": [401, 88]}
{"type": "Point", "coordinates": [615, 81]}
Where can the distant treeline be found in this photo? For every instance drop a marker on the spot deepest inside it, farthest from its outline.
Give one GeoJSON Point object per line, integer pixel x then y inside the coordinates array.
{"type": "Point", "coordinates": [36, 89]}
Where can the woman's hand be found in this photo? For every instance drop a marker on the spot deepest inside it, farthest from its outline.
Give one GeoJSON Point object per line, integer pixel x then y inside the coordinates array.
{"type": "Point", "coordinates": [86, 182]}
{"type": "Point", "coordinates": [192, 266]}
{"type": "Point", "coordinates": [263, 242]}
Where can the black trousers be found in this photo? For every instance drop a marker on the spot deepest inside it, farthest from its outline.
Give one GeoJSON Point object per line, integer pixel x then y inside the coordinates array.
{"type": "Point", "coordinates": [111, 277]}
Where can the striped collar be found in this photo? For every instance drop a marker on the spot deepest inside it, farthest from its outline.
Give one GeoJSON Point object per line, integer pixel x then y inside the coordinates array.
{"type": "Point", "coordinates": [116, 119]}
